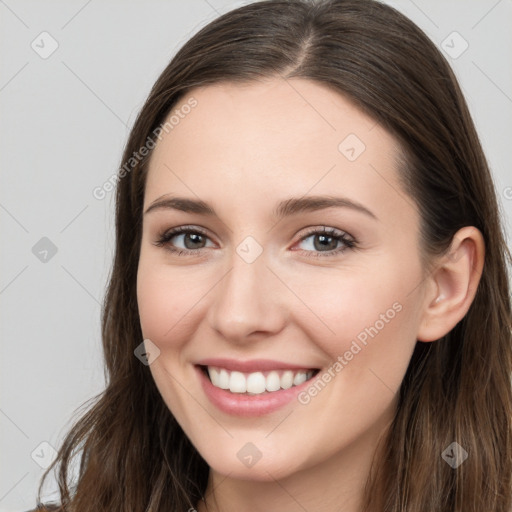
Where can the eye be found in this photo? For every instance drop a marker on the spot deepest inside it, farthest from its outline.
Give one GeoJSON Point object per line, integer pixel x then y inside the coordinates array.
{"type": "Point", "coordinates": [324, 242]}
{"type": "Point", "coordinates": [194, 240]}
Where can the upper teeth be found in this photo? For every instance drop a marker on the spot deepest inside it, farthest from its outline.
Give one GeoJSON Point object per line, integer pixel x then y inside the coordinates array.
{"type": "Point", "coordinates": [257, 382]}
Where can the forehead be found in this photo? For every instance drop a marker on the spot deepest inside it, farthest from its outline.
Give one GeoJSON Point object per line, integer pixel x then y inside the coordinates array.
{"type": "Point", "coordinates": [258, 142]}
{"type": "Point", "coordinates": [275, 112]}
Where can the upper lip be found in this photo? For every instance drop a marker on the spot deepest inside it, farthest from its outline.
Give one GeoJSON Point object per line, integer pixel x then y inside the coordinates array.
{"type": "Point", "coordinates": [253, 365]}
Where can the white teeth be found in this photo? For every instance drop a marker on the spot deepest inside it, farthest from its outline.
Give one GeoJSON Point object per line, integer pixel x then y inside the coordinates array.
{"type": "Point", "coordinates": [299, 378]}
{"type": "Point", "coordinates": [287, 380]}
{"type": "Point", "coordinates": [237, 383]}
{"type": "Point", "coordinates": [256, 383]}
{"type": "Point", "coordinates": [273, 381]}
{"type": "Point", "coordinates": [214, 376]}
{"type": "Point", "coordinates": [223, 379]}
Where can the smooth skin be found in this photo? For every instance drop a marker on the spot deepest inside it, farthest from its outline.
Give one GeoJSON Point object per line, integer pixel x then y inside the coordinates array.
{"type": "Point", "coordinates": [243, 149]}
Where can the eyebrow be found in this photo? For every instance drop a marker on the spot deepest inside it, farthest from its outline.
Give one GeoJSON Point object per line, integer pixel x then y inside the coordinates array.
{"type": "Point", "coordinates": [285, 208]}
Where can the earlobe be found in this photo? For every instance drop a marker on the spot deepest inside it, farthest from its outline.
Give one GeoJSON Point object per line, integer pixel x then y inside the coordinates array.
{"type": "Point", "coordinates": [453, 284]}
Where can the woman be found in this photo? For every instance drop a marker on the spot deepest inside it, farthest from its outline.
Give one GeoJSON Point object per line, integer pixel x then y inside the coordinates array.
{"type": "Point", "coordinates": [249, 371]}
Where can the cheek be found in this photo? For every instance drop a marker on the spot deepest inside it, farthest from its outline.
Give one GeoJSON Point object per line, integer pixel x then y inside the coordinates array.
{"type": "Point", "coordinates": [368, 318]}
{"type": "Point", "coordinates": [163, 302]}
{"type": "Point", "coordinates": [154, 305]}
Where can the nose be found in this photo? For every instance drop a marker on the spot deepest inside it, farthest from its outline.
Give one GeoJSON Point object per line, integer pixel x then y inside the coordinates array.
{"type": "Point", "coordinates": [248, 302]}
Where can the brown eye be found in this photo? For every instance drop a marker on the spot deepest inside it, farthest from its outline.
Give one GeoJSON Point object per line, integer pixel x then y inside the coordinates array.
{"type": "Point", "coordinates": [191, 240]}
{"type": "Point", "coordinates": [327, 242]}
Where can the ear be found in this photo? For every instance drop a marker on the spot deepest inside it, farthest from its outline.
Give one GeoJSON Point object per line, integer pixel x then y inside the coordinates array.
{"type": "Point", "coordinates": [452, 285]}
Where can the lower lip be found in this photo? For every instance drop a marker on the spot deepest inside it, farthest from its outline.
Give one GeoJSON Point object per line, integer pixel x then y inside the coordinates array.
{"type": "Point", "coordinates": [240, 404]}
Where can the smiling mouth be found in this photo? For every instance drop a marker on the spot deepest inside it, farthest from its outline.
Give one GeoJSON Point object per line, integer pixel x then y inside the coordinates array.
{"type": "Point", "coordinates": [256, 383]}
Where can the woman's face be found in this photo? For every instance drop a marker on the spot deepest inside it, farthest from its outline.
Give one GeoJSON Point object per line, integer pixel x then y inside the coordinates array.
{"type": "Point", "coordinates": [261, 298]}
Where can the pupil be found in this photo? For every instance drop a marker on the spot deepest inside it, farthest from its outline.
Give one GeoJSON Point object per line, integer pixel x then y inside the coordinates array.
{"type": "Point", "coordinates": [195, 239]}
{"type": "Point", "coordinates": [325, 238]}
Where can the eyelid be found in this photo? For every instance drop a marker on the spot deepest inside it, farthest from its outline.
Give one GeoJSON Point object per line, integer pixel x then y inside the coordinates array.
{"type": "Point", "coordinates": [319, 229]}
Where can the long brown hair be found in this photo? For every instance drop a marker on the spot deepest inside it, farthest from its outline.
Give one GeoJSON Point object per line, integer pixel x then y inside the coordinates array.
{"type": "Point", "coordinates": [133, 454]}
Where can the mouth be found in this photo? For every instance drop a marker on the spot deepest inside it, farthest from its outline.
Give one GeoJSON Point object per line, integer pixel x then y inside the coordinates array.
{"type": "Point", "coordinates": [254, 383]}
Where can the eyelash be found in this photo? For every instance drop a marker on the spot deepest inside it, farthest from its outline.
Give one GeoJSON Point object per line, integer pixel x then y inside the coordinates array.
{"type": "Point", "coordinates": [349, 242]}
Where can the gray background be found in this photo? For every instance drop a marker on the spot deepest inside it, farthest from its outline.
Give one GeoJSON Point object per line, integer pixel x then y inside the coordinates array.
{"type": "Point", "coordinates": [64, 121]}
